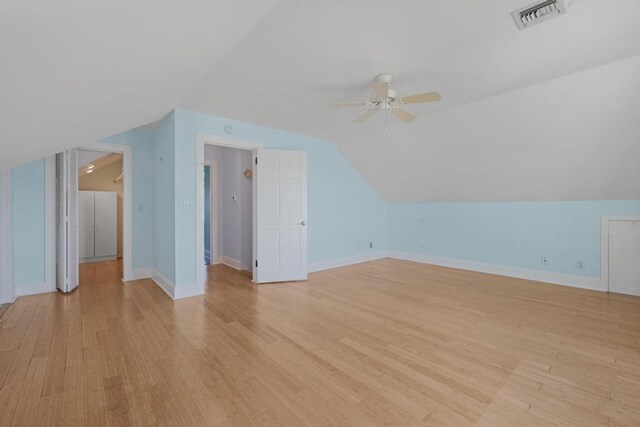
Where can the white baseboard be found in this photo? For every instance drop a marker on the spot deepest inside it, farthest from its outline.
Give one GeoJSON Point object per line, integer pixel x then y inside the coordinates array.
{"type": "Point", "coordinates": [165, 284]}
{"type": "Point", "coordinates": [345, 261]}
{"type": "Point", "coordinates": [187, 290]}
{"type": "Point", "coordinates": [139, 273]}
{"type": "Point", "coordinates": [184, 290]}
{"type": "Point", "coordinates": [25, 289]}
{"type": "Point", "coordinates": [583, 282]}
{"type": "Point", "coordinates": [626, 291]}
{"type": "Point", "coordinates": [232, 262]}
{"type": "Point", "coordinates": [97, 259]}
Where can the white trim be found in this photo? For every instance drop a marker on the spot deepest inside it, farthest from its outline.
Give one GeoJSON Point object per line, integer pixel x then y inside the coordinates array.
{"type": "Point", "coordinates": [345, 261]}
{"type": "Point", "coordinates": [33, 289]}
{"type": "Point", "coordinates": [97, 259]}
{"type": "Point", "coordinates": [50, 222]}
{"type": "Point", "coordinates": [7, 291]}
{"type": "Point", "coordinates": [165, 284]}
{"type": "Point", "coordinates": [213, 225]}
{"type": "Point", "coordinates": [140, 273]}
{"type": "Point", "coordinates": [583, 282]}
{"type": "Point", "coordinates": [201, 140]}
{"type": "Point", "coordinates": [187, 290]}
{"type": "Point", "coordinates": [232, 262]}
{"type": "Point", "coordinates": [127, 205]}
{"type": "Point", "coordinates": [627, 291]}
{"type": "Point", "coordinates": [604, 245]}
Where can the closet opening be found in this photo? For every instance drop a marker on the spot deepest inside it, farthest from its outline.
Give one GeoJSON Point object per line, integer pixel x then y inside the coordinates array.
{"type": "Point", "coordinates": [93, 215]}
{"type": "Point", "coordinates": [100, 214]}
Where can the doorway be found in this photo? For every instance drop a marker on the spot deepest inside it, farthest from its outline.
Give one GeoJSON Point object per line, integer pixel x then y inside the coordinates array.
{"type": "Point", "coordinates": [228, 210]}
{"type": "Point", "coordinates": [100, 206]}
{"type": "Point", "coordinates": [93, 212]}
{"type": "Point", "coordinates": [278, 211]}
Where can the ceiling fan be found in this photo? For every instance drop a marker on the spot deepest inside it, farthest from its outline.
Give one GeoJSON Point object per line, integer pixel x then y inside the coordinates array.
{"type": "Point", "coordinates": [385, 99]}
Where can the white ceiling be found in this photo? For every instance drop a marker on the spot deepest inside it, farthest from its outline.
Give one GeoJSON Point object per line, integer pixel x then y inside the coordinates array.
{"type": "Point", "coordinates": [304, 55]}
{"type": "Point", "coordinates": [79, 70]}
{"type": "Point", "coordinates": [75, 71]}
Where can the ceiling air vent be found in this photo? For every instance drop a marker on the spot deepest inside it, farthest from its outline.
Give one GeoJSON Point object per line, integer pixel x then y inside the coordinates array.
{"type": "Point", "coordinates": [538, 12]}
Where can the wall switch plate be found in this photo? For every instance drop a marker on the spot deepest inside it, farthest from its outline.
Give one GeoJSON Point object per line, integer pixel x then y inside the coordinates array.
{"type": "Point", "coordinates": [544, 260]}
{"type": "Point", "coordinates": [371, 245]}
{"type": "Point", "coordinates": [188, 204]}
{"type": "Point", "coordinates": [580, 265]}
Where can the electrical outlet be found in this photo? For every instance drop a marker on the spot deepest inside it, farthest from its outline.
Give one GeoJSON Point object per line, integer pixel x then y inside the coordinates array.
{"type": "Point", "coordinates": [188, 205]}
{"type": "Point", "coordinates": [580, 265]}
{"type": "Point", "coordinates": [544, 260]}
{"type": "Point", "coordinates": [421, 220]}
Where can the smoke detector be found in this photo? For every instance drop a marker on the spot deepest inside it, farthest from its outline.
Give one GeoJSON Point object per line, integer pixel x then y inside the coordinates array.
{"type": "Point", "coordinates": [538, 12]}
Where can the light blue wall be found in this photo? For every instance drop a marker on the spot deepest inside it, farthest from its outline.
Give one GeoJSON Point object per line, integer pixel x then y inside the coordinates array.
{"type": "Point", "coordinates": [28, 224]}
{"type": "Point", "coordinates": [164, 198]}
{"type": "Point", "coordinates": [345, 212]}
{"type": "Point", "coordinates": [141, 142]}
{"type": "Point", "coordinates": [510, 234]}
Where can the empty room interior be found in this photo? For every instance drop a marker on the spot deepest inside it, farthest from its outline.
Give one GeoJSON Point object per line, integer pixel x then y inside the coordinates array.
{"type": "Point", "coordinates": [359, 212]}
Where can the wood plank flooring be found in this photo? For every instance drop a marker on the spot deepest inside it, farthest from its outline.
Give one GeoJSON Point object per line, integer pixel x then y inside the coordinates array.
{"type": "Point", "coordinates": [386, 342]}
{"type": "Point", "coordinates": [3, 309]}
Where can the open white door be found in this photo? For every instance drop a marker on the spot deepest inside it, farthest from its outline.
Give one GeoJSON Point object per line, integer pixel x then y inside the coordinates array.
{"type": "Point", "coordinates": [280, 236]}
{"type": "Point", "coordinates": [67, 220]}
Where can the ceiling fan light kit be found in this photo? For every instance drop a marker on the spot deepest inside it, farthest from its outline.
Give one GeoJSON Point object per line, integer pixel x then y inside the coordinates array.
{"type": "Point", "coordinates": [387, 100]}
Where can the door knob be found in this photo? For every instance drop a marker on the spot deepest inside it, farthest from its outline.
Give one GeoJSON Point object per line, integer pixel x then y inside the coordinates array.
{"type": "Point", "coordinates": [303, 223]}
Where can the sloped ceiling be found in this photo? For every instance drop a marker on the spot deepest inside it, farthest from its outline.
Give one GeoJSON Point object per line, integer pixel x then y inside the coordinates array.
{"type": "Point", "coordinates": [483, 141]}
{"type": "Point", "coordinates": [544, 114]}
{"type": "Point", "coordinates": [75, 71]}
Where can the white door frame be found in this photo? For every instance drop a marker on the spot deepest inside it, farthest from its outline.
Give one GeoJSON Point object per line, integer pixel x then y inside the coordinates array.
{"type": "Point", "coordinates": [127, 206]}
{"type": "Point", "coordinates": [7, 292]}
{"type": "Point", "coordinates": [604, 245]}
{"type": "Point", "coordinates": [213, 199]}
{"type": "Point", "coordinates": [201, 140]}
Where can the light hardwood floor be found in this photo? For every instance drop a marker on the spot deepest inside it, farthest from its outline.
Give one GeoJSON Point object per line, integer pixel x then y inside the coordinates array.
{"type": "Point", "coordinates": [386, 342]}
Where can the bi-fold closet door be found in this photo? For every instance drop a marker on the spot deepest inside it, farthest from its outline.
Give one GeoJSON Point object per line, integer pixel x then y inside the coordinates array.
{"type": "Point", "coordinates": [97, 214]}
{"type": "Point", "coordinates": [67, 220]}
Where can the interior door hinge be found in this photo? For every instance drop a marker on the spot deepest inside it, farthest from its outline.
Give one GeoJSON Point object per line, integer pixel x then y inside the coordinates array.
{"type": "Point", "coordinates": [256, 263]}
{"type": "Point", "coordinates": [256, 160]}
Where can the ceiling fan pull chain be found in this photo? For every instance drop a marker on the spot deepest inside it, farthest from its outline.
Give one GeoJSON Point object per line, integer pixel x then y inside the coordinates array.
{"type": "Point", "coordinates": [386, 121]}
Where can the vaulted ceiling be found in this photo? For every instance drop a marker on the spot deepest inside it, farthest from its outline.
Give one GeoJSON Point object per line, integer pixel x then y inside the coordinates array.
{"type": "Point", "coordinates": [75, 71]}
{"type": "Point", "coordinates": [525, 115]}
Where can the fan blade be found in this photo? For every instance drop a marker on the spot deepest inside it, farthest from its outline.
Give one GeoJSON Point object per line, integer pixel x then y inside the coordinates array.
{"type": "Point", "coordinates": [365, 116]}
{"type": "Point", "coordinates": [380, 89]}
{"type": "Point", "coordinates": [423, 97]}
{"type": "Point", "coordinates": [348, 104]}
{"type": "Point", "coordinates": [404, 115]}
